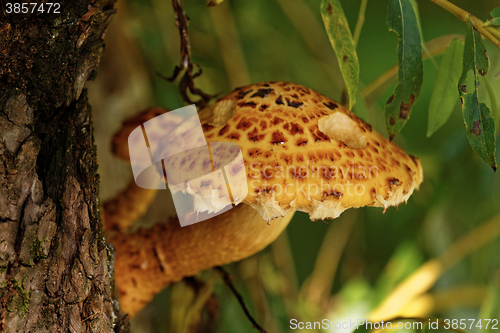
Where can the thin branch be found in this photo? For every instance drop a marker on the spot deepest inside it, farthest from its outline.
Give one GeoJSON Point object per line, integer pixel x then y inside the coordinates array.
{"type": "Point", "coordinates": [360, 22]}
{"type": "Point", "coordinates": [492, 34]}
{"type": "Point", "coordinates": [228, 281]}
{"type": "Point", "coordinates": [187, 80]}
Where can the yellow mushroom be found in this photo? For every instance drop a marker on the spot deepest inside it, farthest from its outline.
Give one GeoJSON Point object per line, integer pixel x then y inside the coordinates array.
{"type": "Point", "coordinates": [302, 152]}
{"type": "Point", "coordinates": [121, 211]}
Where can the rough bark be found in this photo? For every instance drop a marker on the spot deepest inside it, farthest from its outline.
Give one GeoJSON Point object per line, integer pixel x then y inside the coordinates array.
{"type": "Point", "coordinates": [55, 267]}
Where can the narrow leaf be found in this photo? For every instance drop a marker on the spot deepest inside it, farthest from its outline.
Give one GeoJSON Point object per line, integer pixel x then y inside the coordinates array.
{"type": "Point", "coordinates": [214, 3]}
{"type": "Point", "coordinates": [479, 125]}
{"type": "Point", "coordinates": [445, 95]}
{"type": "Point", "coordinates": [401, 19]}
{"type": "Point", "coordinates": [493, 98]}
{"type": "Point", "coordinates": [340, 37]}
{"type": "Point", "coordinates": [495, 21]}
{"type": "Point", "coordinates": [414, 4]}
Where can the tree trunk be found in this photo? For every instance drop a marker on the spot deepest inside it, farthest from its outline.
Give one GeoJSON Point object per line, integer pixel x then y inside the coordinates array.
{"type": "Point", "coordinates": [55, 267]}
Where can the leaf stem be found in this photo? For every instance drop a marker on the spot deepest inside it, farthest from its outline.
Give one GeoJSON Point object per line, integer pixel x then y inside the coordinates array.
{"type": "Point", "coordinates": [490, 33]}
{"type": "Point", "coordinates": [360, 22]}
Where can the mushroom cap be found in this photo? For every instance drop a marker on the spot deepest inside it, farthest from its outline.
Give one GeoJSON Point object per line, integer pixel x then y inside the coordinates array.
{"type": "Point", "coordinates": [303, 151]}
{"type": "Point", "coordinates": [120, 141]}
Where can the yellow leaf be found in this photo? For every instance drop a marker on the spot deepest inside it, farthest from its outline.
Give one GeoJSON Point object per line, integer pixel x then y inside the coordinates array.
{"type": "Point", "coordinates": [214, 3]}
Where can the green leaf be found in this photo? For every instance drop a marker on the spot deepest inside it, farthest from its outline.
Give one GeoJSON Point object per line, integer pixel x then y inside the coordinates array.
{"type": "Point", "coordinates": [493, 98]}
{"type": "Point", "coordinates": [340, 37]}
{"type": "Point", "coordinates": [402, 20]}
{"type": "Point", "coordinates": [414, 4]}
{"type": "Point", "coordinates": [479, 125]}
{"type": "Point", "coordinates": [360, 109]}
{"type": "Point", "coordinates": [214, 3]}
{"type": "Point", "coordinates": [444, 96]}
{"type": "Point", "coordinates": [495, 21]}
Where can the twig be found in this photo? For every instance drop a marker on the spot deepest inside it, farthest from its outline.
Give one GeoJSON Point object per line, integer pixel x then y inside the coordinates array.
{"type": "Point", "coordinates": [360, 22]}
{"type": "Point", "coordinates": [187, 80]}
{"type": "Point", "coordinates": [490, 33]}
{"type": "Point", "coordinates": [228, 281]}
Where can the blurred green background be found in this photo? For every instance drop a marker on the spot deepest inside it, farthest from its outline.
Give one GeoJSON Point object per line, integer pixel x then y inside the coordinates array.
{"type": "Point", "coordinates": [340, 269]}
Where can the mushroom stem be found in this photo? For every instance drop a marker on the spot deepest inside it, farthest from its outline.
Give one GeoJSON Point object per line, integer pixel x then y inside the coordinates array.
{"type": "Point", "coordinates": [150, 259]}
{"type": "Point", "coordinates": [122, 211]}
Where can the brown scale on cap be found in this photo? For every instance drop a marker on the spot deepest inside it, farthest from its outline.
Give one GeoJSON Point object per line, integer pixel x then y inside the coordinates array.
{"type": "Point", "coordinates": [301, 150]}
